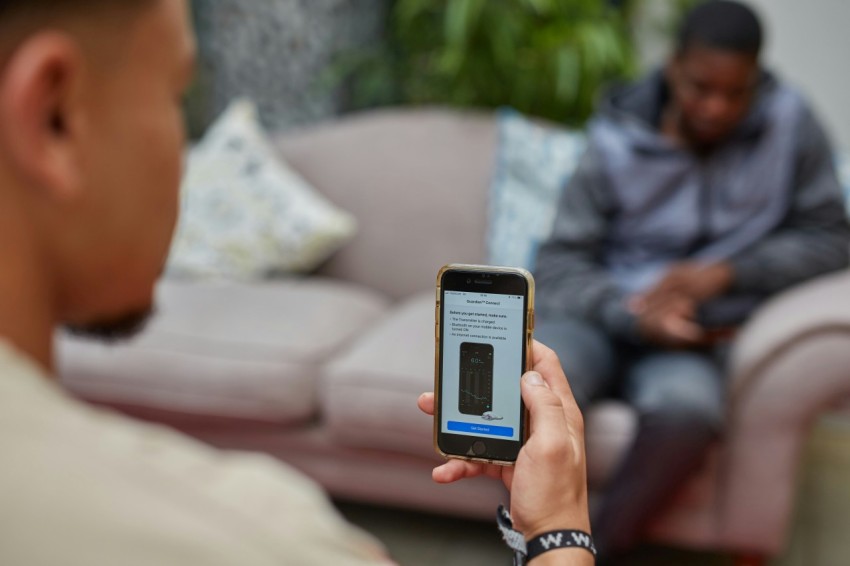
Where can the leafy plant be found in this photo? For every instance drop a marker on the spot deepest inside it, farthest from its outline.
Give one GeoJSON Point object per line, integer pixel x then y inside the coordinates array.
{"type": "Point", "coordinates": [543, 57]}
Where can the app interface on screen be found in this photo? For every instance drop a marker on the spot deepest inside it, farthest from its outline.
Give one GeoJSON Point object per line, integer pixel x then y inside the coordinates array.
{"type": "Point", "coordinates": [482, 364]}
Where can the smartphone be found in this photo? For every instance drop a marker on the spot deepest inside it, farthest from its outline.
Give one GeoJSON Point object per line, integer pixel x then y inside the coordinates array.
{"type": "Point", "coordinates": [484, 332]}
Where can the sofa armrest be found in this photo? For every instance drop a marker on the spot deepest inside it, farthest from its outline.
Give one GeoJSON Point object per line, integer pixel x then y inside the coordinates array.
{"type": "Point", "coordinates": [820, 306]}
{"type": "Point", "coordinates": [791, 364]}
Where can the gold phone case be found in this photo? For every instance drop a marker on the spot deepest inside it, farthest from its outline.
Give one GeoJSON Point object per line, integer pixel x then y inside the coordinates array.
{"type": "Point", "coordinates": [529, 340]}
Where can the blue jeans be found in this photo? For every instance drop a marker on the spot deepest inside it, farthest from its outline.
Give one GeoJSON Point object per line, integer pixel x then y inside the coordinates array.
{"type": "Point", "coordinates": [679, 399]}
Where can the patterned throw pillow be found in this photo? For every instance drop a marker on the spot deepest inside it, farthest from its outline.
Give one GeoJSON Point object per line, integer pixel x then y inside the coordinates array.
{"type": "Point", "coordinates": [534, 162]}
{"type": "Point", "coordinates": [245, 213]}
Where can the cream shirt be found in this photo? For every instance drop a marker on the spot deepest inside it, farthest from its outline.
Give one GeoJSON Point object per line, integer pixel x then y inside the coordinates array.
{"type": "Point", "coordinates": [81, 486]}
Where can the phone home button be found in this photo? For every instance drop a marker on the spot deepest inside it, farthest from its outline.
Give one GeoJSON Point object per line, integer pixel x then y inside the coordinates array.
{"type": "Point", "coordinates": [479, 448]}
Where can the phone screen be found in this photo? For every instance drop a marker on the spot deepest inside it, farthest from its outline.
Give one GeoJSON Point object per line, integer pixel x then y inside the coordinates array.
{"type": "Point", "coordinates": [483, 341]}
{"type": "Point", "coordinates": [475, 394]}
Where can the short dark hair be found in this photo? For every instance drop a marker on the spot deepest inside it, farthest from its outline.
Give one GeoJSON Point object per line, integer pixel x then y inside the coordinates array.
{"type": "Point", "coordinates": [11, 7]}
{"type": "Point", "coordinates": [721, 24]}
{"type": "Point", "coordinates": [19, 18]}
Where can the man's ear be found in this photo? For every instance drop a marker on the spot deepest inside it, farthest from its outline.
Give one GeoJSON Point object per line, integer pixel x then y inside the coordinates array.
{"type": "Point", "coordinates": [40, 100]}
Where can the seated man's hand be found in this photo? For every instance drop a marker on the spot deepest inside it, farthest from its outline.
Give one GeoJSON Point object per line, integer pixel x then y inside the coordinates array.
{"type": "Point", "coordinates": [698, 282]}
{"type": "Point", "coordinates": [667, 312]}
{"type": "Point", "coordinates": [548, 484]}
{"type": "Point", "coordinates": [671, 324]}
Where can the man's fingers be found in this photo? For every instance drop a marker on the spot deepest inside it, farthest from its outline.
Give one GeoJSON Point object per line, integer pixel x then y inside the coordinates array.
{"type": "Point", "coordinates": [683, 330]}
{"type": "Point", "coordinates": [455, 470]}
{"type": "Point", "coordinates": [426, 403]}
{"type": "Point", "coordinates": [664, 297]}
{"type": "Point", "coordinates": [547, 364]}
{"type": "Point", "coordinates": [545, 406]}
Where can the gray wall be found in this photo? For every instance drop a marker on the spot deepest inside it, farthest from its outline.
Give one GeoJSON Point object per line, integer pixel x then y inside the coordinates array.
{"type": "Point", "coordinates": [809, 44]}
{"type": "Point", "coordinates": [276, 51]}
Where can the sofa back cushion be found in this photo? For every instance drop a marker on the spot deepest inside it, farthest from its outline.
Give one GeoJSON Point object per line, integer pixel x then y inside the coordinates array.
{"type": "Point", "coordinates": [417, 182]}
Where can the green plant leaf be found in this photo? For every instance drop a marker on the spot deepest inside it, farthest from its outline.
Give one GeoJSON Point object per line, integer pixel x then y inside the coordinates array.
{"type": "Point", "coordinates": [450, 61]}
{"type": "Point", "coordinates": [544, 57]}
{"type": "Point", "coordinates": [460, 19]}
{"type": "Point", "coordinates": [407, 12]}
{"type": "Point", "coordinates": [567, 74]}
{"type": "Point", "coordinates": [541, 7]}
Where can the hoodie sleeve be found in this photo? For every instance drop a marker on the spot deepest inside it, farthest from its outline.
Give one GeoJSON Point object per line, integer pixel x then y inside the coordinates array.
{"type": "Point", "coordinates": [570, 277]}
{"type": "Point", "coordinates": [814, 236]}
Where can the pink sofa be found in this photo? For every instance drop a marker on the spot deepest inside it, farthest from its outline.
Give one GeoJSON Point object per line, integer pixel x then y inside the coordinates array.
{"type": "Point", "coordinates": [324, 371]}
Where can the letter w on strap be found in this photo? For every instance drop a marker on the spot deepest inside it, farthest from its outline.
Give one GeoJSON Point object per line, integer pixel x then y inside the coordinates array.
{"type": "Point", "coordinates": [552, 539]}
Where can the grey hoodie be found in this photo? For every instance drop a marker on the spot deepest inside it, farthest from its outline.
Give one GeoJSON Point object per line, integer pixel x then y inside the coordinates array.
{"type": "Point", "coordinates": [767, 200]}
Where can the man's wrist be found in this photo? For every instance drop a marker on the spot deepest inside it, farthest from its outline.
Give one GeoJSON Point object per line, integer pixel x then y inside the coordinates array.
{"type": "Point", "coordinates": [576, 540]}
{"type": "Point", "coordinates": [570, 515]}
{"type": "Point", "coordinates": [571, 522]}
{"type": "Point", "coordinates": [552, 541]}
{"type": "Point", "coordinates": [572, 556]}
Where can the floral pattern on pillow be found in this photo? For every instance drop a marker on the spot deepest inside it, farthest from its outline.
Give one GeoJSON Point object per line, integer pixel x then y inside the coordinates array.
{"type": "Point", "coordinates": [245, 213]}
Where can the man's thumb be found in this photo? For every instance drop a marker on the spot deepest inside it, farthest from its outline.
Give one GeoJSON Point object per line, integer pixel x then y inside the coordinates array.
{"type": "Point", "coordinates": [535, 379]}
{"type": "Point", "coordinates": [543, 405]}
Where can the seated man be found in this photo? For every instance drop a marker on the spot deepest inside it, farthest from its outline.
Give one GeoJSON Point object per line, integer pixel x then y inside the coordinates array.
{"type": "Point", "coordinates": [90, 151]}
{"type": "Point", "coordinates": [706, 188]}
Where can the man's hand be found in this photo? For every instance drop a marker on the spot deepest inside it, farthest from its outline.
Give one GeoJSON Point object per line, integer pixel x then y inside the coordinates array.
{"type": "Point", "coordinates": [666, 313]}
{"type": "Point", "coordinates": [548, 484]}
{"type": "Point", "coordinates": [698, 282]}
{"type": "Point", "coordinates": [671, 324]}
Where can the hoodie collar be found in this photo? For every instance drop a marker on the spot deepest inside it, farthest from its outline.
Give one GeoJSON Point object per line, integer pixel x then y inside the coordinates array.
{"type": "Point", "coordinates": [637, 108]}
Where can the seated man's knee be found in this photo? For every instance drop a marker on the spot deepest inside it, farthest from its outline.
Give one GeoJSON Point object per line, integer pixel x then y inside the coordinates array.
{"type": "Point", "coordinates": [688, 416]}
{"type": "Point", "coordinates": [680, 392]}
{"type": "Point", "coordinates": [697, 418]}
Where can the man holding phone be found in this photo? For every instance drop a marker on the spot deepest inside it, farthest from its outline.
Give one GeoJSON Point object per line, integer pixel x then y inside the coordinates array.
{"type": "Point", "coordinates": [706, 188]}
{"type": "Point", "coordinates": [91, 142]}
{"type": "Point", "coordinates": [548, 483]}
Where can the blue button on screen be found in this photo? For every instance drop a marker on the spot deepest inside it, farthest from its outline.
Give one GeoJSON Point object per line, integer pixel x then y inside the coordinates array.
{"type": "Point", "coordinates": [474, 428]}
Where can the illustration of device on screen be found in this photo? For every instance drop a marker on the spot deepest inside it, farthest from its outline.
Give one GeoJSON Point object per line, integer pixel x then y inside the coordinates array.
{"type": "Point", "coordinates": [476, 378]}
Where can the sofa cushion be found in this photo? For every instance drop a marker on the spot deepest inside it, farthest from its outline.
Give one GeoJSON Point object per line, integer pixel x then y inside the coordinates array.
{"type": "Point", "coordinates": [368, 394]}
{"type": "Point", "coordinates": [226, 349]}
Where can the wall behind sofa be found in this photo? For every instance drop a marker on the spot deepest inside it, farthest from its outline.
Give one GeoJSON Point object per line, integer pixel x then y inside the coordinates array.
{"type": "Point", "coordinates": [275, 51]}
{"type": "Point", "coordinates": [809, 44]}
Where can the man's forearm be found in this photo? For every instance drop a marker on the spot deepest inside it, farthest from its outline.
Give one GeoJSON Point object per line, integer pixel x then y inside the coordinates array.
{"type": "Point", "coordinates": [564, 556]}
{"type": "Point", "coordinates": [790, 257]}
